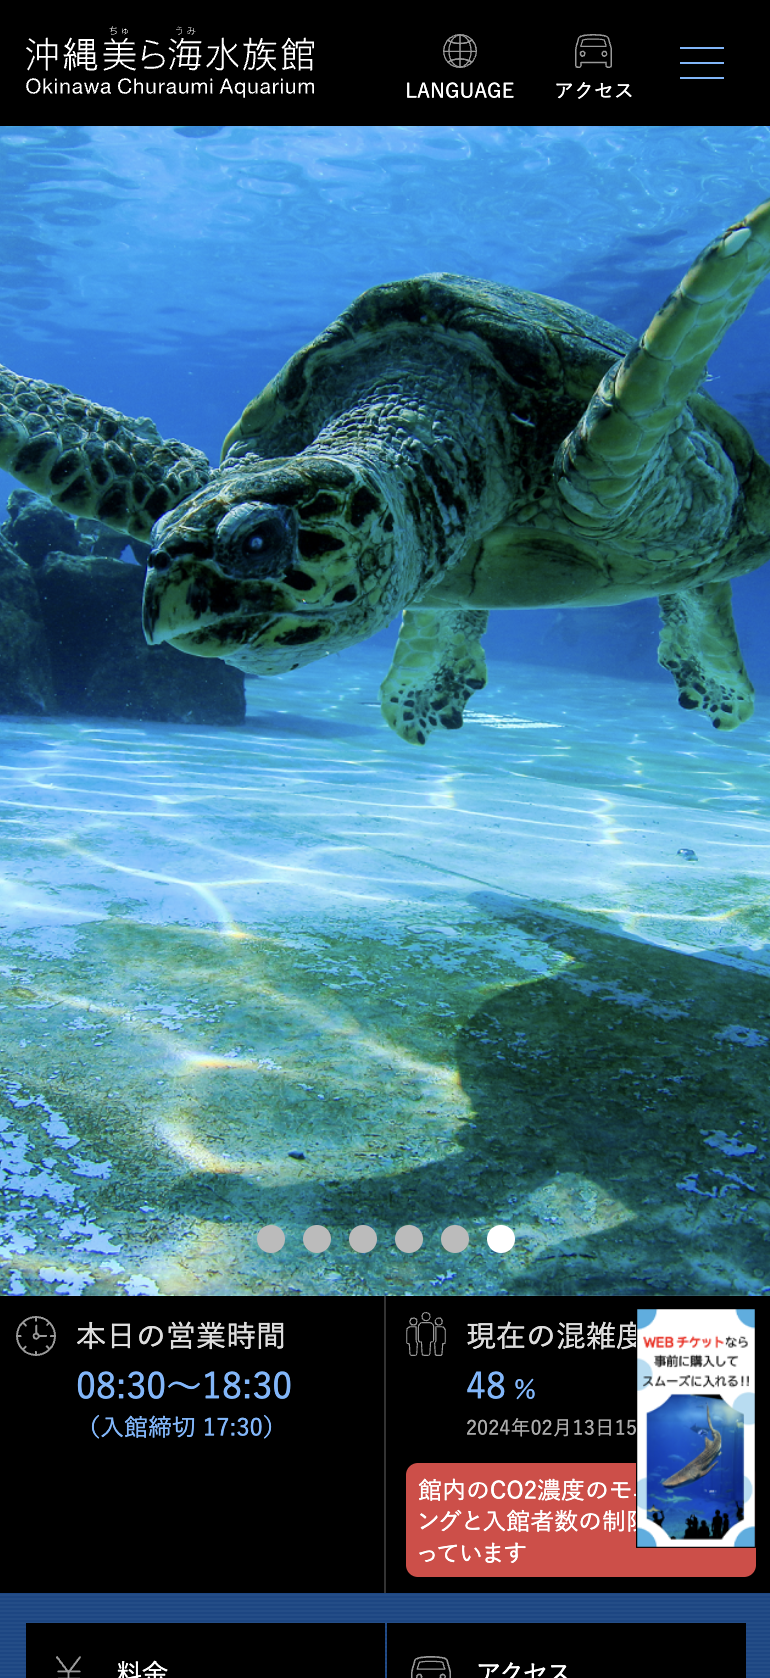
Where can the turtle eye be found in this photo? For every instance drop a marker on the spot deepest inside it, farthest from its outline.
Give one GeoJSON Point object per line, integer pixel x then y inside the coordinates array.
{"type": "Point", "coordinates": [270, 534]}
{"type": "Point", "coordinates": [255, 539]}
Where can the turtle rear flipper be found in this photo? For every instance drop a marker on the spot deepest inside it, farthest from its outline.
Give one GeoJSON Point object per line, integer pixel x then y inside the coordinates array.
{"type": "Point", "coordinates": [93, 462]}
{"type": "Point", "coordinates": [699, 645]}
{"type": "Point", "coordinates": [600, 465]}
{"type": "Point", "coordinates": [438, 663]}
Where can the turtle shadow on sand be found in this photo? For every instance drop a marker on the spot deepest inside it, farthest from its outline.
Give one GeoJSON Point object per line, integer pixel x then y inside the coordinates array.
{"type": "Point", "coordinates": [608, 1102]}
{"type": "Point", "coordinates": [594, 1092]}
{"type": "Point", "coordinates": [614, 1121]}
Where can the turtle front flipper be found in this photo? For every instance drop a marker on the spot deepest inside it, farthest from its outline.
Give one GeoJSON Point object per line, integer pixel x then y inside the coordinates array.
{"type": "Point", "coordinates": [93, 461]}
{"type": "Point", "coordinates": [438, 663]}
{"type": "Point", "coordinates": [698, 644]}
{"type": "Point", "coordinates": [599, 467]}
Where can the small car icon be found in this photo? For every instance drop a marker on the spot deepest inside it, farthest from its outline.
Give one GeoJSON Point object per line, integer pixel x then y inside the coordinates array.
{"type": "Point", "coordinates": [431, 1666]}
{"type": "Point", "coordinates": [593, 49]}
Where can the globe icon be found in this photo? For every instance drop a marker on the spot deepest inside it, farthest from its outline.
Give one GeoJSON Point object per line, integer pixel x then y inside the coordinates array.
{"type": "Point", "coordinates": [459, 51]}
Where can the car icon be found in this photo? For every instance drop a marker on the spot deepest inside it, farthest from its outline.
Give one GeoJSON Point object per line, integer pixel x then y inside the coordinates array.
{"type": "Point", "coordinates": [593, 49]}
{"type": "Point", "coordinates": [431, 1666]}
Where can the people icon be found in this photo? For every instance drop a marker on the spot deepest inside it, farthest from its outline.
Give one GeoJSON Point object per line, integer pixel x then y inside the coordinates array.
{"type": "Point", "coordinates": [426, 1335]}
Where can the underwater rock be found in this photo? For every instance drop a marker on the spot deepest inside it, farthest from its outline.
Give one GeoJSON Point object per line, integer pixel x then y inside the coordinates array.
{"type": "Point", "coordinates": [35, 528]}
{"type": "Point", "coordinates": [70, 627]}
{"type": "Point", "coordinates": [26, 682]}
{"type": "Point", "coordinates": [98, 538]}
{"type": "Point", "coordinates": [101, 664]}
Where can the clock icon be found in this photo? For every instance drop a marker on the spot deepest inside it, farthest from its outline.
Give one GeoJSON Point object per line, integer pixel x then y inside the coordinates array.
{"type": "Point", "coordinates": [35, 1336]}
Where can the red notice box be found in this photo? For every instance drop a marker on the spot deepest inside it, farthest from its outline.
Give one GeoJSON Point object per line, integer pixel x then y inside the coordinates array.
{"type": "Point", "coordinates": [507, 1520]}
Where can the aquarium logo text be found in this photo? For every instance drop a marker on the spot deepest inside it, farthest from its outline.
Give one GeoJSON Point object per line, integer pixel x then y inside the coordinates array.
{"type": "Point", "coordinates": [460, 51]}
{"type": "Point", "coordinates": [127, 85]}
{"type": "Point", "coordinates": [269, 62]}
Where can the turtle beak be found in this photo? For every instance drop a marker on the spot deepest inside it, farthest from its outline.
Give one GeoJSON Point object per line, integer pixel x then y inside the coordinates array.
{"type": "Point", "coordinates": [182, 595]}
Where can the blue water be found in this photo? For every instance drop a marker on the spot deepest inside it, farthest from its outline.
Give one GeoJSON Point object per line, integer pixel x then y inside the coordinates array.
{"type": "Point", "coordinates": [171, 275]}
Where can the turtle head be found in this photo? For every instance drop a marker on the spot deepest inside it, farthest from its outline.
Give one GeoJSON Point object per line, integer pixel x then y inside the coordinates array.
{"type": "Point", "coordinates": [273, 564]}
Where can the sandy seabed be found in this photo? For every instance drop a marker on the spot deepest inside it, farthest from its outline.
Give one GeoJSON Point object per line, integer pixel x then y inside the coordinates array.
{"type": "Point", "coordinates": [300, 974]}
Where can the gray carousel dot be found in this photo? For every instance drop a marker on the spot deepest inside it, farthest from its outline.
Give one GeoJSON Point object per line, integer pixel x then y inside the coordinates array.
{"type": "Point", "coordinates": [271, 1239]}
{"type": "Point", "coordinates": [317, 1239]}
{"type": "Point", "coordinates": [363, 1238]}
{"type": "Point", "coordinates": [454, 1239]}
{"type": "Point", "coordinates": [408, 1238]}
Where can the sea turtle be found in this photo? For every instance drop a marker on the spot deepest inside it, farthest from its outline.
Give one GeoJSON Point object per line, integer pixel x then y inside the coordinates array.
{"type": "Point", "coordinates": [446, 446]}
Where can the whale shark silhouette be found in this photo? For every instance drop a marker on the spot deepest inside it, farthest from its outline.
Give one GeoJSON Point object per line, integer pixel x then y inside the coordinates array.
{"type": "Point", "coordinates": [699, 1466]}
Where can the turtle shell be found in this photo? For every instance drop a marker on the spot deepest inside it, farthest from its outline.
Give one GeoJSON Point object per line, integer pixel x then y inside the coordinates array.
{"type": "Point", "coordinates": [553, 353]}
